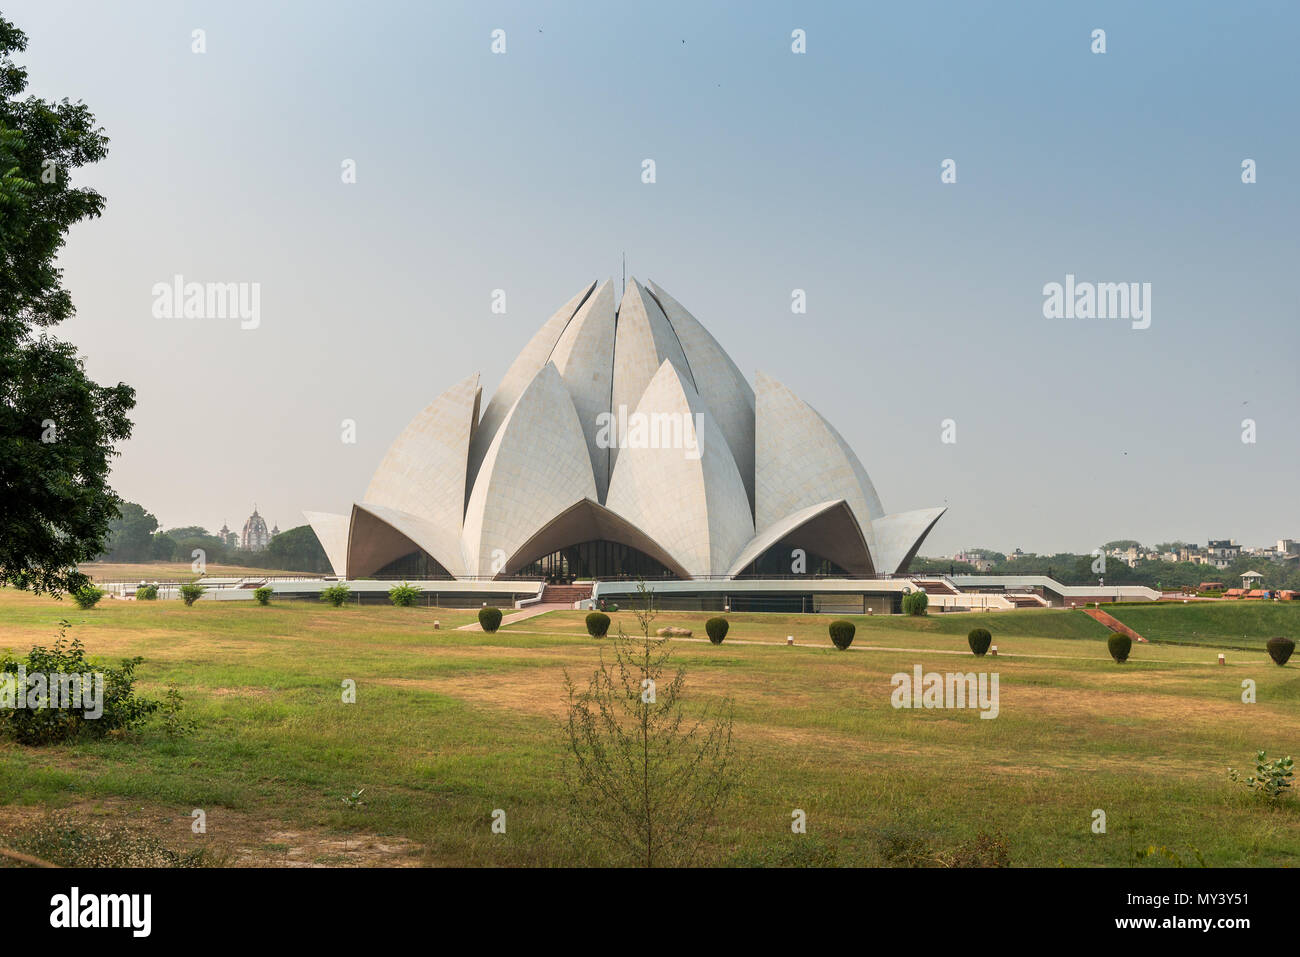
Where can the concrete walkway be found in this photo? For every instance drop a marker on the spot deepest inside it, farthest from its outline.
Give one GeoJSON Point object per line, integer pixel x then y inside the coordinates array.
{"type": "Point", "coordinates": [532, 611]}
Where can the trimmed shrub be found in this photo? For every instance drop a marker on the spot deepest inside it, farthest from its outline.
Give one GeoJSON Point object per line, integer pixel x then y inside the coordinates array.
{"type": "Point", "coordinates": [1279, 649]}
{"type": "Point", "coordinates": [404, 595]}
{"type": "Point", "coordinates": [979, 640]}
{"type": "Point", "coordinates": [598, 624]}
{"type": "Point", "coordinates": [336, 595]}
{"type": "Point", "coordinates": [146, 593]}
{"type": "Point", "coordinates": [190, 592]}
{"type": "Point", "coordinates": [490, 619]}
{"type": "Point", "coordinates": [716, 628]}
{"type": "Point", "coordinates": [842, 633]}
{"type": "Point", "coordinates": [59, 720]}
{"type": "Point", "coordinates": [263, 595]}
{"type": "Point", "coordinates": [87, 596]}
{"type": "Point", "coordinates": [915, 603]}
{"type": "Point", "coordinates": [1119, 646]}
{"type": "Point", "coordinates": [1271, 778]}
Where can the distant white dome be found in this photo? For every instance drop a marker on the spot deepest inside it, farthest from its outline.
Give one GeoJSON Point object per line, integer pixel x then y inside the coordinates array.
{"type": "Point", "coordinates": [255, 536]}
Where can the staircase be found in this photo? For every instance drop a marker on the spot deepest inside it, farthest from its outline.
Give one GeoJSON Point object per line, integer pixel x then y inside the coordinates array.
{"type": "Point", "coordinates": [565, 594]}
{"type": "Point", "coordinates": [939, 586]}
{"type": "Point", "coordinates": [1113, 623]}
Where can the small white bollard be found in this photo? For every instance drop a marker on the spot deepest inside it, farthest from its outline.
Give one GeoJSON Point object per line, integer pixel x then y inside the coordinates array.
{"type": "Point", "coordinates": [994, 651]}
{"type": "Point", "coordinates": [1222, 659]}
{"type": "Point", "coordinates": [789, 639]}
{"type": "Point", "coordinates": [436, 624]}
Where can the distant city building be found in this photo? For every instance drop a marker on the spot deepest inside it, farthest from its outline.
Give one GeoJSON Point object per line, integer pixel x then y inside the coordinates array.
{"type": "Point", "coordinates": [255, 535]}
{"type": "Point", "coordinates": [978, 562]}
{"type": "Point", "coordinates": [1222, 552]}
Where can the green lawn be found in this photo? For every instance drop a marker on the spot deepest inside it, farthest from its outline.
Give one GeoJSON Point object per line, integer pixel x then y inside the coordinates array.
{"type": "Point", "coordinates": [1221, 624]}
{"type": "Point", "coordinates": [449, 726]}
{"type": "Point", "coordinates": [172, 571]}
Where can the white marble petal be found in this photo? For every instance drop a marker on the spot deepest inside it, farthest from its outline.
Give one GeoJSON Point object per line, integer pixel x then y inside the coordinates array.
{"type": "Point", "coordinates": [332, 533]}
{"type": "Point", "coordinates": [800, 460]}
{"type": "Point", "coordinates": [645, 340]}
{"type": "Point", "coordinates": [584, 356]}
{"type": "Point", "coordinates": [521, 372]}
{"type": "Point", "coordinates": [720, 384]}
{"type": "Point", "coordinates": [829, 529]}
{"type": "Point", "coordinates": [898, 536]}
{"type": "Point", "coordinates": [689, 500]}
{"type": "Point", "coordinates": [536, 467]}
{"type": "Point", "coordinates": [381, 534]}
{"type": "Point", "coordinates": [423, 473]}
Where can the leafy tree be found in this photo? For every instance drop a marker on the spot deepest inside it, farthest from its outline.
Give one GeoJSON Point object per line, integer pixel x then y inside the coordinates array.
{"type": "Point", "coordinates": [131, 535]}
{"type": "Point", "coordinates": [296, 549]}
{"type": "Point", "coordinates": [57, 427]}
{"type": "Point", "coordinates": [190, 531]}
{"type": "Point", "coordinates": [162, 547]}
{"type": "Point", "coordinates": [642, 779]}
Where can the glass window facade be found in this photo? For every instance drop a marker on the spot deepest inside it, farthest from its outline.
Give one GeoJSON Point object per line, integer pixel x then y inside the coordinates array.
{"type": "Point", "coordinates": [596, 559]}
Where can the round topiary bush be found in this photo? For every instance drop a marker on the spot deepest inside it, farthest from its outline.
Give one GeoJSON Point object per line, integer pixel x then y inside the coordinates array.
{"type": "Point", "coordinates": [842, 633]}
{"type": "Point", "coordinates": [146, 593]}
{"type": "Point", "coordinates": [263, 595]}
{"type": "Point", "coordinates": [979, 640]}
{"type": "Point", "coordinates": [915, 603]}
{"type": "Point", "coordinates": [1279, 649]}
{"type": "Point", "coordinates": [1119, 646]}
{"type": "Point", "coordinates": [598, 624]}
{"type": "Point", "coordinates": [716, 628]}
{"type": "Point", "coordinates": [489, 618]}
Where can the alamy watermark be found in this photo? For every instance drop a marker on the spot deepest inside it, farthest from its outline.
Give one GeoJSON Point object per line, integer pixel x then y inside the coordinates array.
{"type": "Point", "coordinates": [179, 299]}
{"type": "Point", "coordinates": [1102, 300]}
{"type": "Point", "coordinates": [650, 430]}
{"type": "Point", "coordinates": [933, 690]}
{"type": "Point", "coordinates": [65, 692]}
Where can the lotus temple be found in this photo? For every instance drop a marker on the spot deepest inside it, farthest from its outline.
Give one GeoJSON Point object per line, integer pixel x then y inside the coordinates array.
{"type": "Point", "coordinates": [554, 479]}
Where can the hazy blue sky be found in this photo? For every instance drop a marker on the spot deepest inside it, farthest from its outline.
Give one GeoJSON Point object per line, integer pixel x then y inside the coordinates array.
{"type": "Point", "coordinates": [775, 171]}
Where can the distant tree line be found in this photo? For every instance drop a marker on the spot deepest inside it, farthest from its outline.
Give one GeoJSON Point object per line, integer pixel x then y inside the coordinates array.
{"type": "Point", "coordinates": [134, 537]}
